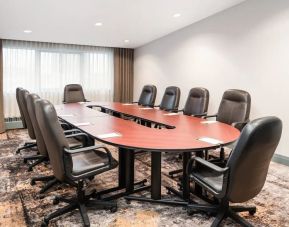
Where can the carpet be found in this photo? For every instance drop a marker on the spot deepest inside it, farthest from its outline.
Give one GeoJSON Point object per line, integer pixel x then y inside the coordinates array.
{"type": "Point", "coordinates": [21, 205]}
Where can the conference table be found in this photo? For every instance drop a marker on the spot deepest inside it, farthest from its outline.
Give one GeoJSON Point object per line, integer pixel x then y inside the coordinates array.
{"type": "Point", "coordinates": [175, 133]}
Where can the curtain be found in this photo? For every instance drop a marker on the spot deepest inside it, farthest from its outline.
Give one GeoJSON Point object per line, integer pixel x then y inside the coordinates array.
{"type": "Point", "coordinates": [123, 74]}
{"type": "Point", "coordinates": [2, 126]}
{"type": "Point", "coordinates": [45, 68]}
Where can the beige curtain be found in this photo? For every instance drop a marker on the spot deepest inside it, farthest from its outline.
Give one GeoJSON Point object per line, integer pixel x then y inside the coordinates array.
{"type": "Point", "coordinates": [2, 124]}
{"type": "Point", "coordinates": [123, 75]}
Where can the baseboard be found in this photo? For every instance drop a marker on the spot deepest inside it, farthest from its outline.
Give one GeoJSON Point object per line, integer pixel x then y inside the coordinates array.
{"type": "Point", "coordinates": [13, 125]}
{"type": "Point", "coordinates": [281, 159]}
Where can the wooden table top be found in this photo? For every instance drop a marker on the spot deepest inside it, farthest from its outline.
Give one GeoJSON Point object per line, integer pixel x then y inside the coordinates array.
{"type": "Point", "coordinates": [184, 136]}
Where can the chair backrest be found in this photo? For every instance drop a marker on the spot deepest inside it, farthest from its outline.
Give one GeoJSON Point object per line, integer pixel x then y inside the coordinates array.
{"type": "Point", "coordinates": [249, 160]}
{"type": "Point", "coordinates": [53, 137]}
{"type": "Point", "coordinates": [23, 104]}
{"type": "Point", "coordinates": [197, 101]}
{"type": "Point", "coordinates": [73, 93]}
{"type": "Point", "coordinates": [148, 95]}
{"type": "Point", "coordinates": [20, 107]}
{"type": "Point", "coordinates": [171, 99]}
{"type": "Point", "coordinates": [31, 99]}
{"type": "Point", "coordinates": [234, 107]}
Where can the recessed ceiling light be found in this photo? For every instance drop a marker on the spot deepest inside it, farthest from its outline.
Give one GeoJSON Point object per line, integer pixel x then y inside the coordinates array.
{"type": "Point", "coordinates": [27, 31]}
{"type": "Point", "coordinates": [176, 15]}
{"type": "Point", "coordinates": [98, 24]}
{"type": "Point", "coordinates": [126, 41]}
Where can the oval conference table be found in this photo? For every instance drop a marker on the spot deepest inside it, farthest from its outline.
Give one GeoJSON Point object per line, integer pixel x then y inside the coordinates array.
{"type": "Point", "coordinates": [178, 133]}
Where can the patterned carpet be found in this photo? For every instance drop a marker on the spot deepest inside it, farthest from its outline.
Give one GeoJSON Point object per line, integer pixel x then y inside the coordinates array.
{"type": "Point", "coordinates": [21, 205]}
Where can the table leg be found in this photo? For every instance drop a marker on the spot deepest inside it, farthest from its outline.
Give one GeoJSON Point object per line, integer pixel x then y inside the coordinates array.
{"type": "Point", "coordinates": [129, 171]}
{"type": "Point", "coordinates": [156, 175]}
{"type": "Point", "coordinates": [185, 179]}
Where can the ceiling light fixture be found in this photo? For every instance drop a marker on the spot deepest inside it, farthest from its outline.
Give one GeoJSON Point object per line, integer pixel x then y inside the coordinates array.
{"type": "Point", "coordinates": [126, 41]}
{"type": "Point", "coordinates": [27, 31]}
{"type": "Point", "coordinates": [98, 24]}
{"type": "Point", "coordinates": [176, 15]}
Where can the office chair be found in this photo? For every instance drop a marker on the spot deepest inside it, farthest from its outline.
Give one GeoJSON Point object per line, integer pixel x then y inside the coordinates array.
{"type": "Point", "coordinates": [234, 110]}
{"type": "Point", "coordinates": [19, 106]}
{"type": "Point", "coordinates": [21, 100]}
{"type": "Point", "coordinates": [171, 99]}
{"type": "Point", "coordinates": [244, 174]}
{"type": "Point", "coordinates": [196, 105]}
{"type": "Point", "coordinates": [72, 166]}
{"type": "Point", "coordinates": [148, 96]}
{"type": "Point", "coordinates": [73, 93]}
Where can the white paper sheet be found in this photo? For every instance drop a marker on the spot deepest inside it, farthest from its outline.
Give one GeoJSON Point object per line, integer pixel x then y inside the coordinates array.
{"type": "Point", "coordinates": [208, 122]}
{"type": "Point", "coordinates": [65, 115]}
{"type": "Point", "coordinates": [82, 124]}
{"type": "Point", "coordinates": [171, 114]}
{"type": "Point", "coordinates": [109, 135]}
{"type": "Point", "coordinates": [211, 140]}
{"type": "Point", "coordinates": [146, 108]}
{"type": "Point", "coordinates": [81, 102]}
{"type": "Point", "coordinates": [128, 104]}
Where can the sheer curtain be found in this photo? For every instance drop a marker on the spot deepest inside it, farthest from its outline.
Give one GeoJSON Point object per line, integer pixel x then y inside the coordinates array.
{"type": "Point", "coordinates": [45, 68]}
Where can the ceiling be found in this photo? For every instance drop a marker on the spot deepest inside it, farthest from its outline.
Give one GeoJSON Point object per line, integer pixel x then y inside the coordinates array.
{"type": "Point", "coordinates": [73, 21]}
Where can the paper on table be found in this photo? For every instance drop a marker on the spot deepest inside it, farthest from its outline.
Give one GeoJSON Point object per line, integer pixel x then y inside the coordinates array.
{"type": "Point", "coordinates": [109, 135]}
{"type": "Point", "coordinates": [211, 140]}
{"type": "Point", "coordinates": [82, 124]}
{"type": "Point", "coordinates": [65, 115]}
{"type": "Point", "coordinates": [171, 114]}
{"type": "Point", "coordinates": [81, 102]}
{"type": "Point", "coordinates": [146, 108]}
{"type": "Point", "coordinates": [208, 122]}
{"type": "Point", "coordinates": [127, 104]}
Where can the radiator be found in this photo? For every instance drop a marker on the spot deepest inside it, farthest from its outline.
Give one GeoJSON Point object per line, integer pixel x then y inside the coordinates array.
{"type": "Point", "coordinates": [13, 122]}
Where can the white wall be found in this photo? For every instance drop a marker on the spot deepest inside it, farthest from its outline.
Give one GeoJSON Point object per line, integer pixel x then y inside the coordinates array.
{"type": "Point", "coordinates": [245, 47]}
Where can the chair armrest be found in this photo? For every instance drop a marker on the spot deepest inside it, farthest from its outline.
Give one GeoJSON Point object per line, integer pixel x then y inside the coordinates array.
{"type": "Point", "coordinates": [205, 163]}
{"type": "Point", "coordinates": [182, 110]}
{"type": "Point", "coordinates": [64, 125]}
{"type": "Point", "coordinates": [209, 116]}
{"type": "Point", "coordinates": [240, 125]}
{"type": "Point", "coordinates": [67, 132]}
{"type": "Point", "coordinates": [157, 106]}
{"type": "Point", "coordinates": [134, 102]}
{"type": "Point", "coordinates": [87, 149]}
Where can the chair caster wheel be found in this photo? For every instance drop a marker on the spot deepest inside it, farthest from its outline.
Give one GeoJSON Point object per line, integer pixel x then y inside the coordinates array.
{"type": "Point", "coordinates": [44, 224]}
{"type": "Point", "coordinates": [169, 192]}
{"type": "Point", "coordinates": [25, 161]}
{"type": "Point", "coordinates": [128, 201]}
{"type": "Point", "coordinates": [113, 209]}
{"type": "Point", "coordinates": [252, 212]}
{"type": "Point", "coordinates": [32, 182]}
{"type": "Point", "coordinates": [29, 169]}
{"type": "Point", "coordinates": [55, 201]}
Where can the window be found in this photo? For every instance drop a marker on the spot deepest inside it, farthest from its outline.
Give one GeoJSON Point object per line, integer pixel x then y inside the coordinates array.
{"type": "Point", "coordinates": [45, 68]}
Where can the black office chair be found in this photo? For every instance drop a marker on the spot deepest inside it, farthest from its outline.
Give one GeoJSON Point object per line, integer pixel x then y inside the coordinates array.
{"type": "Point", "coordinates": [148, 96]}
{"type": "Point", "coordinates": [72, 166]}
{"type": "Point", "coordinates": [21, 99]}
{"type": "Point", "coordinates": [19, 106]}
{"type": "Point", "coordinates": [244, 174]}
{"type": "Point", "coordinates": [234, 110]}
{"type": "Point", "coordinates": [171, 99]}
{"type": "Point", "coordinates": [73, 93]}
{"type": "Point", "coordinates": [196, 105]}
{"type": "Point", "coordinates": [43, 154]}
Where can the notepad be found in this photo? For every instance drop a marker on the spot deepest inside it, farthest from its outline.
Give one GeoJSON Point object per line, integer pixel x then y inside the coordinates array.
{"type": "Point", "coordinates": [171, 114]}
{"type": "Point", "coordinates": [211, 140]}
{"type": "Point", "coordinates": [109, 135]}
{"type": "Point", "coordinates": [208, 122]}
{"type": "Point", "coordinates": [146, 108]}
{"type": "Point", "coordinates": [82, 124]}
{"type": "Point", "coordinates": [65, 115]}
{"type": "Point", "coordinates": [127, 104]}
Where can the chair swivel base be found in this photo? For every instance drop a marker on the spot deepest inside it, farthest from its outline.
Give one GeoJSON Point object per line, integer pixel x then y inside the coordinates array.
{"type": "Point", "coordinates": [50, 181]}
{"type": "Point", "coordinates": [222, 212]}
{"type": "Point", "coordinates": [27, 145]}
{"type": "Point", "coordinates": [37, 160]}
{"type": "Point", "coordinates": [81, 202]}
{"type": "Point", "coordinates": [138, 186]}
{"type": "Point", "coordinates": [175, 173]}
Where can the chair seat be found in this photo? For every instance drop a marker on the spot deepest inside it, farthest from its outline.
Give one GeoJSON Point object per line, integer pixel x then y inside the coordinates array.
{"type": "Point", "coordinates": [210, 178]}
{"type": "Point", "coordinates": [85, 162]}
